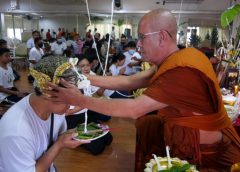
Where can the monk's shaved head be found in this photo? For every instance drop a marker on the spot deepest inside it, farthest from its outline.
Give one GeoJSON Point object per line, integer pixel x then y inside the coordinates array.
{"type": "Point", "coordinates": [160, 19]}
{"type": "Point", "coordinates": [157, 35]}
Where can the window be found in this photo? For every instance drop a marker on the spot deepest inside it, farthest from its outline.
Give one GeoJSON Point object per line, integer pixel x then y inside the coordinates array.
{"type": "Point", "coordinates": [10, 33]}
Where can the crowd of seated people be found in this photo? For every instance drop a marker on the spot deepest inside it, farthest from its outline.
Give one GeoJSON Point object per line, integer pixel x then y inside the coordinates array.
{"type": "Point", "coordinates": [90, 55]}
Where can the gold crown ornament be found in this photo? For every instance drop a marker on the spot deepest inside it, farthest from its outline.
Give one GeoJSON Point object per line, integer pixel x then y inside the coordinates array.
{"type": "Point", "coordinates": [51, 69]}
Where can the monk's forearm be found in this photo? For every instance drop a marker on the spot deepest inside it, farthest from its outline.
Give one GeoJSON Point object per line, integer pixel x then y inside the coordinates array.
{"type": "Point", "coordinates": [111, 107]}
{"type": "Point", "coordinates": [136, 81]}
{"type": "Point", "coordinates": [110, 82]}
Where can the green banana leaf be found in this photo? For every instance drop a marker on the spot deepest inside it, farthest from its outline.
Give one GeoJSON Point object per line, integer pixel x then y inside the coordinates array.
{"type": "Point", "coordinates": [228, 15]}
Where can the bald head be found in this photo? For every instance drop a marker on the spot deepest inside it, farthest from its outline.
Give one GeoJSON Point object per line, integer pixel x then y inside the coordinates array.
{"type": "Point", "coordinates": [160, 19]}
{"type": "Point", "coordinates": [157, 33]}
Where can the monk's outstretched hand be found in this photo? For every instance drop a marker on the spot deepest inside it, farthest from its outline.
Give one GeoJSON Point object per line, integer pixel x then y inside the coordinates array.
{"type": "Point", "coordinates": [68, 93]}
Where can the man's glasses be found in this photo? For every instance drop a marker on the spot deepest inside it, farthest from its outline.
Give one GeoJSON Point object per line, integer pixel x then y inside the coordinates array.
{"type": "Point", "coordinates": [142, 36]}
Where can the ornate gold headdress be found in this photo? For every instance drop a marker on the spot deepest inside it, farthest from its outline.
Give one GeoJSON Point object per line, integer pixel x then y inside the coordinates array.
{"type": "Point", "coordinates": [51, 68]}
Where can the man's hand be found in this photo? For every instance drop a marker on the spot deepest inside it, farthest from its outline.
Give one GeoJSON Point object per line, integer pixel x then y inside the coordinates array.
{"type": "Point", "coordinates": [66, 140]}
{"type": "Point", "coordinates": [134, 58]}
{"type": "Point", "coordinates": [68, 94]}
{"type": "Point", "coordinates": [122, 71]}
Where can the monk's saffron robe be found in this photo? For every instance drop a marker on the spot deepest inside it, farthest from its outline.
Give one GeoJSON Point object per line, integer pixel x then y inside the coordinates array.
{"type": "Point", "coordinates": [187, 83]}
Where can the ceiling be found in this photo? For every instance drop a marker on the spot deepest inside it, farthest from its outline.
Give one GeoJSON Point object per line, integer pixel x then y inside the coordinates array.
{"type": "Point", "coordinates": [204, 9]}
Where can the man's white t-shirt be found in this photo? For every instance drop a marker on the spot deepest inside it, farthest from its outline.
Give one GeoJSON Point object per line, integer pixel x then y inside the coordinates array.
{"type": "Point", "coordinates": [69, 43]}
{"type": "Point", "coordinates": [24, 137]}
{"type": "Point", "coordinates": [30, 43]}
{"type": "Point", "coordinates": [113, 36]}
{"type": "Point", "coordinates": [58, 49]}
{"type": "Point", "coordinates": [114, 70]}
{"type": "Point", "coordinates": [35, 55]}
{"type": "Point", "coordinates": [128, 60]}
{"type": "Point", "coordinates": [6, 80]}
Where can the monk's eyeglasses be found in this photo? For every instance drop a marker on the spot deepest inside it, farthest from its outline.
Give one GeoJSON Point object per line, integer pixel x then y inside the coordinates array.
{"type": "Point", "coordinates": [141, 36]}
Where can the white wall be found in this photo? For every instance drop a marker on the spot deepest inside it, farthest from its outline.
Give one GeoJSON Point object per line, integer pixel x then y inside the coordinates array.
{"type": "Point", "coordinates": [66, 22]}
{"type": "Point", "coordinates": [81, 22]}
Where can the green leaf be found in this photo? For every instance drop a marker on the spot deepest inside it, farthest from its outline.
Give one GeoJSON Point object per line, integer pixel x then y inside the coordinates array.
{"type": "Point", "coordinates": [185, 167]}
{"type": "Point", "coordinates": [174, 169]}
{"type": "Point", "coordinates": [229, 15]}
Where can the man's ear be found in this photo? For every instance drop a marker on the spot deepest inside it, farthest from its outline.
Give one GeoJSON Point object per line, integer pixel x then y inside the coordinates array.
{"type": "Point", "coordinates": [161, 37]}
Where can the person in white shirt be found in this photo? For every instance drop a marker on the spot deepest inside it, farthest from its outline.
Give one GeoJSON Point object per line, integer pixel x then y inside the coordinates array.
{"type": "Point", "coordinates": [97, 146]}
{"type": "Point", "coordinates": [113, 36]}
{"type": "Point", "coordinates": [130, 63]}
{"type": "Point", "coordinates": [36, 53]}
{"type": "Point", "coordinates": [84, 67]}
{"type": "Point", "coordinates": [116, 66]}
{"type": "Point", "coordinates": [8, 92]}
{"type": "Point", "coordinates": [58, 47]}
{"type": "Point", "coordinates": [33, 131]}
{"type": "Point", "coordinates": [30, 42]}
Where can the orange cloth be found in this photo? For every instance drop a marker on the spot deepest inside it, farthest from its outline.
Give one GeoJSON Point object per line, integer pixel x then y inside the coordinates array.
{"type": "Point", "coordinates": [72, 34]}
{"type": "Point", "coordinates": [187, 83]}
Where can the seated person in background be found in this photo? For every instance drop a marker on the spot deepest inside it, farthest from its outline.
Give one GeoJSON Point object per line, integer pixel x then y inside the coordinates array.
{"type": "Point", "coordinates": [8, 92]}
{"type": "Point", "coordinates": [70, 43]}
{"type": "Point", "coordinates": [132, 66]}
{"type": "Point", "coordinates": [30, 41]}
{"type": "Point", "coordinates": [97, 146]}
{"type": "Point", "coordinates": [84, 66]}
{"type": "Point", "coordinates": [58, 47]}
{"type": "Point", "coordinates": [3, 44]}
{"type": "Point", "coordinates": [68, 53]}
{"type": "Point", "coordinates": [104, 47]}
{"type": "Point", "coordinates": [35, 54]}
{"type": "Point", "coordinates": [78, 45]}
{"type": "Point", "coordinates": [116, 69]}
{"type": "Point", "coordinates": [30, 127]}
{"type": "Point", "coordinates": [93, 59]}
{"type": "Point", "coordinates": [117, 62]}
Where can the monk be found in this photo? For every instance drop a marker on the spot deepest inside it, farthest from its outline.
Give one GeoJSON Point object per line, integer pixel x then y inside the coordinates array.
{"type": "Point", "coordinates": [184, 91]}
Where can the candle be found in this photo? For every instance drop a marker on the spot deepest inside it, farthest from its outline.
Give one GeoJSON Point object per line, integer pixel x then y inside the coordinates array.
{"type": "Point", "coordinates": [157, 161]}
{"type": "Point", "coordinates": [85, 123]}
{"type": "Point", "coordinates": [168, 157]}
